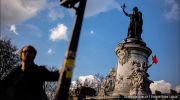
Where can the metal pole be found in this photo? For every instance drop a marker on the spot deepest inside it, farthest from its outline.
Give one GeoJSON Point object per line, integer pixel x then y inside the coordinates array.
{"type": "Point", "coordinates": [68, 65]}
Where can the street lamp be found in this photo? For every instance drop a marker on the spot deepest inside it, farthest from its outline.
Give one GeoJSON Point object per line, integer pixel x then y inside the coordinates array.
{"type": "Point", "coordinates": [68, 65]}
{"type": "Point", "coordinates": [68, 3]}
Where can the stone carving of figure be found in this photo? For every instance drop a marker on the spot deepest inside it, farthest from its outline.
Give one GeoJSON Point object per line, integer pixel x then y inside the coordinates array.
{"type": "Point", "coordinates": [135, 25]}
{"type": "Point", "coordinates": [120, 82]}
{"type": "Point", "coordinates": [139, 75]}
{"type": "Point", "coordinates": [134, 75]}
{"type": "Point", "coordinates": [120, 79]}
{"type": "Point", "coordinates": [108, 84]}
{"type": "Point", "coordinates": [102, 90]}
{"type": "Point", "coordinates": [111, 79]}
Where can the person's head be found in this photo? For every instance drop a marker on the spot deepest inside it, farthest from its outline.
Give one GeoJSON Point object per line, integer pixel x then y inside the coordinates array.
{"type": "Point", "coordinates": [28, 53]}
{"type": "Point", "coordinates": [135, 9]}
{"type": "Point", "coordinates": [112, 70]}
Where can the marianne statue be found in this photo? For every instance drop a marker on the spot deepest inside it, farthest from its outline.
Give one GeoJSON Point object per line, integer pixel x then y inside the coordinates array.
{"type": "Point", "coordinates": [135, 25]}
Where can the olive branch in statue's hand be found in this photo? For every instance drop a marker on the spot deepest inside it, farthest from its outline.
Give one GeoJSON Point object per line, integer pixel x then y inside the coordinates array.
{"type": "Point", "coordinates": [123, 7]}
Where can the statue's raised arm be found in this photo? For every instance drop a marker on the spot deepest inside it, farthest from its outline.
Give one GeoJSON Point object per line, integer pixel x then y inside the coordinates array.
{"type": "Point", "coordinates": [151, 63]}
{"type": "Point", "coordinates": [123, 7]}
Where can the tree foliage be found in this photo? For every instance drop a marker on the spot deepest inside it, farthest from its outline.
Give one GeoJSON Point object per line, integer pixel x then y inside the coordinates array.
{"type": "Point", "coordinates": [9, 57]}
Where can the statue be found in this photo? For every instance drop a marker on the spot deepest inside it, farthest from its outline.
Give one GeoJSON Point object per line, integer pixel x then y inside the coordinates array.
{"type": "Point", "coordinates": [111, 79]}
{"type": "Point", "coordinates": [139, 76]}
{"type": "Point", "coordinates": [102, 92]}
{"type": "Point", "coordinates": [136, 22]}
{"type": "Point", "coordinates": [108, 84]}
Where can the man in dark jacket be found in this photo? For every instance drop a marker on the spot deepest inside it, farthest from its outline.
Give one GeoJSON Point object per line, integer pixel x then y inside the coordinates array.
{"type": "Point", "coordinates": [27, 79]}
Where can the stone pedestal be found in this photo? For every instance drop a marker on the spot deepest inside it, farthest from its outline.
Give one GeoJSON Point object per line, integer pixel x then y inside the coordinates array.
{"type": "Point", "coordinates": [131, 77]}
{"type": "Point", "coordinates": [128, 51]}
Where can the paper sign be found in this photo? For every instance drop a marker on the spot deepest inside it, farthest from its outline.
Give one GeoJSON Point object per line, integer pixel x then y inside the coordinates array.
{"type": "Point", "coordinates": [69, 65]}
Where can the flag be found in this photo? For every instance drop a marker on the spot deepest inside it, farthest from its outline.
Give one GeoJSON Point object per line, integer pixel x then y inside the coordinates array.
{"type": "Point", "coordinates": [155, 59]}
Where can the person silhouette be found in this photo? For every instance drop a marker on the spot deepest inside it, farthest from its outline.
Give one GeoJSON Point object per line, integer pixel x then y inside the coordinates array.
{"type": "Point", "coordinates": [28, 79]}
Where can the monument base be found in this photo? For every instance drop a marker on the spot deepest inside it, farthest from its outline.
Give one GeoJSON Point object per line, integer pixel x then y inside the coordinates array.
{"type": "Point", "coordinates": [120, 98]}
{"type": "Point", "coordinates": [132, 64]}
{"type": "Point", "coordinates": [140, 92]}
{"type": "Point", "coordinates": [107, 98]}
{"type": "Point", "coordinates": [132, 81]}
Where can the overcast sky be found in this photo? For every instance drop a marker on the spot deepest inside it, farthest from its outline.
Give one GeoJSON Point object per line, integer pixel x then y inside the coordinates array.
{"type": "Point", "coordinates": [47, 26]}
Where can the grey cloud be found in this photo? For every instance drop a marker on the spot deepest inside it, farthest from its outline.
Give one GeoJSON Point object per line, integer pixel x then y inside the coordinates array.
{"type": "Point", "coordinates": [95, 7]}
{"type": "Point", "coordinates": [31, 26]}
{"type": "Point", "coordinates": [174, 13]}
{"type": "Point", "coordinates": [54, 11]}
{"type": "Point", "coordinates": [17, 11]}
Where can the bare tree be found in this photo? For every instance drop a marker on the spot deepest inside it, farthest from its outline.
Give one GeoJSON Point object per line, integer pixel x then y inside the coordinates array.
{"type": "Point", "coordinates": [94, 83]}
{"type": "Point", "coordinates": [100, 79]}
{"type": "Point", "coordinates": [50, 87]}
{"type": "Point", "coordinates": [86, 82]}
{"type": "Point", "coordinates": [9, 57]}
{"type": "Point", "coordinates": [79, 82]}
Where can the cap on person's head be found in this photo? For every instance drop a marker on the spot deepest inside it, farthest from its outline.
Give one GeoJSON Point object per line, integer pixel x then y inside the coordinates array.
{"type": "Point", "coordinates": [29, 47]}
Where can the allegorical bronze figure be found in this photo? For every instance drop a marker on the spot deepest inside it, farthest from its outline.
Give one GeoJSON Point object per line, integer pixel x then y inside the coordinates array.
{"type": "Point", "coordinates": [136, 22]}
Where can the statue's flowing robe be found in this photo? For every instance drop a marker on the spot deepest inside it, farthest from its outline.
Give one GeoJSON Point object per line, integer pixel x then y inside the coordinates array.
{"type": "Point", "coordinates": [135, 25]}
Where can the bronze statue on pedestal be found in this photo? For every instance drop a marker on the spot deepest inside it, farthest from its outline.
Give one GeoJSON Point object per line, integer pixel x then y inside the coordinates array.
{"type": "Point", "coordinates": [136, 22]}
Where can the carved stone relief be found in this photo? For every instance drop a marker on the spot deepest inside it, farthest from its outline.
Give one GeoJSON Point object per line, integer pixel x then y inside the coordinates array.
{"type": "Point", "coordinates": [122, 54]}
{"type": "Point", "coordinates": [108, 84]}
{"type": "Point", "coordinates": [120, 82]}
{"type": "Point", "coordinates": [139, 76]}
